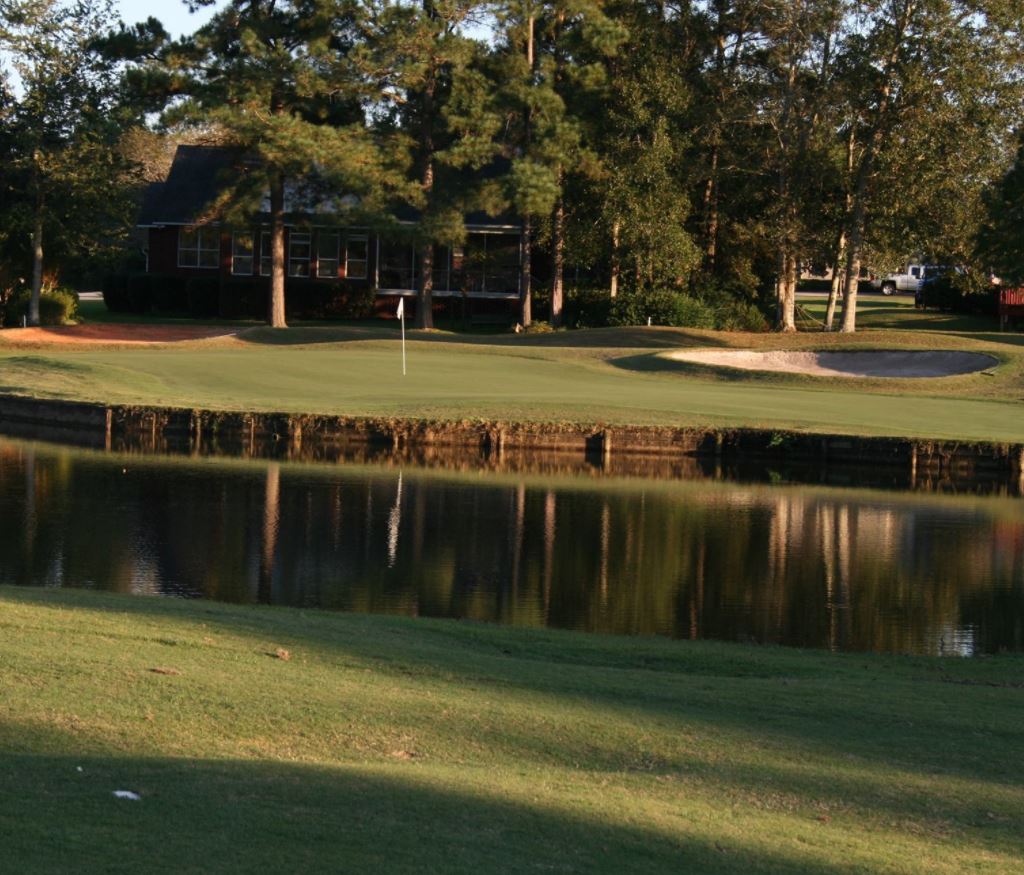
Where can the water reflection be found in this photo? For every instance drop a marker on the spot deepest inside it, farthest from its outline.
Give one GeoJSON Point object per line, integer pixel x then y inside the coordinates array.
{"type": "Point", "coordinates": [843, 569]}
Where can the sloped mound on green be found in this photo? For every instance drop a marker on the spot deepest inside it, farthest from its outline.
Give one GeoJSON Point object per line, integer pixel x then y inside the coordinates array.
{"type": "Point", "coordinates": [846, 363]}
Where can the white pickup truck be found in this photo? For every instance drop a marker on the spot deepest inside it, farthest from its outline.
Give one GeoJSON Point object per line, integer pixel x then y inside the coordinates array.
{"type": "Point", "coordinates": [907, 281]}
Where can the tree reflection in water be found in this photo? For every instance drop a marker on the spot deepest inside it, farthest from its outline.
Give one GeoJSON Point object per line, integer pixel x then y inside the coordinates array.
{"type": "Point", "coordinates": [808, 566]}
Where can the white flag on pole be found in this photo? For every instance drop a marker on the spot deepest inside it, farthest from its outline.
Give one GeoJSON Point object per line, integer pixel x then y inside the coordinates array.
{"type": "Point", "coordinates": [400, 314]}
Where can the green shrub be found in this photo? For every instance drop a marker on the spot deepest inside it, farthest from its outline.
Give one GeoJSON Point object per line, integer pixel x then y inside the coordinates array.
{"type": "Point", "coordinates": [740, 316]}
{"type": "Point", "coordinates": [661, 307]}
{"type": "Point", "coordinates": [587, 308]}
{"type": "Point", "coordinates": [140, 293]}
{"type": "Point", "coordinates": [360, 302]}
{"type": "Point", "coordinates": [734, 303]}
{"type": "Point", "coordinates": [57, 306]}
{"type": "Point", "coordinates": [328, 299]}
{"type": "Point", "coordinates": [959, 291]}
{"type": "Point", "coordinates": [709, 305]}
{"type": "Point", "coordinates": [170, 293]}
{"type": "Point", "coordinates": [203, 296]}
{"type": "Point", "coordinates": [243, 298]}
{"type": "Point", "coordinates": [984, 303]}
{"type": "Point", "coordinates": [539, 328]}
{"type": "Point", "coordinates": [115, 292]}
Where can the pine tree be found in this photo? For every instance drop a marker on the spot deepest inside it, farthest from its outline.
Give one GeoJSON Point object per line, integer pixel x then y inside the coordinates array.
{"type": "Point", "coordinates": [276, 77]}
{"type": "Point", "coordinates": [554, 52]}
{"type": "Point", "coordinates": [419, 55]}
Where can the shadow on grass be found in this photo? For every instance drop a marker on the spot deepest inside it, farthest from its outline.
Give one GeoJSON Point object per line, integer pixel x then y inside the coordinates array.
{"type": "Point", "coordinates": [95, 312]}
{"type": "Point", "coordinates": [651, 363]}
{"type": "Point", "coordinates": [1012, 338]}
{"type": "Point", "coordinates": [585, 338]}
{"type": "Point", "coordinates": [920, 717]}
{"type": "Point", "coordinates": [230, 816]}
{"type": "Point", "coordinates": [44, 365]}
{"type": "Point", "coordinates": [57, 374]}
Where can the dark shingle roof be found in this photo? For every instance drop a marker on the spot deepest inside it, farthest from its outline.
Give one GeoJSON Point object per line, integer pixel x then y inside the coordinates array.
{"type": "Point", "coordinates": [195, 178]}
{"type": "Point", "coordinates": [198, 173]}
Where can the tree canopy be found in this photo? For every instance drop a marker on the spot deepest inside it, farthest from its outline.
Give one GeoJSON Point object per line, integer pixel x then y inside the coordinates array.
{"type": "Point", "coordinates": [714, 149]}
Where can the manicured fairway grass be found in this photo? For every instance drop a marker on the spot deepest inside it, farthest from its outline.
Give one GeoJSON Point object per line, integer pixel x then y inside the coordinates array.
{"type": "Point", "coordinates": [613, 376]}
{"type": "Point", "coordinates": [875, 311]}
{"type": "Point", "coordinates": [386, 744]}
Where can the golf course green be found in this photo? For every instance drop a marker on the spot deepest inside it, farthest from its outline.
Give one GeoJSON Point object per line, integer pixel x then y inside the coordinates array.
{"type": "Point", "coordinates": [612, 376]}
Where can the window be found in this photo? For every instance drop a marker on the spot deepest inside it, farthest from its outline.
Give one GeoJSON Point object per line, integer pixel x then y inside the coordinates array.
{"type": "Point", "coordinates": [441, 272]}
{"type": "Point", "coordinates": [265, 253]}
{"type": "Point", "coordinates": [915, 271]}
{"type": "Point", "coordinates": [241, 254]}
{"type": "Point", "coordinates": [355, 257]}
{"type": "Point", "coordinates": [198, 247]}
{"type": "Point", "coordinates": [397, 265]}
{"type": "Point", "coordinates": [327, 255]}
{"type": "Point", "coordinates": [299, 250]}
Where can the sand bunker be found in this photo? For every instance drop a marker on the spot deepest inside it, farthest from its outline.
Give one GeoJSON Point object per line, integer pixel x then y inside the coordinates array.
{"type": "Point", "coordinates": [866, 363]}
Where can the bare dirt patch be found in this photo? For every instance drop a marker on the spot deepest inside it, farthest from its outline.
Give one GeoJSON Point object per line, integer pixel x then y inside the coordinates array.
{"type": "Point", "coordinates": [855, 363]}
{"type": "Point", "coordinates": [126, 334]}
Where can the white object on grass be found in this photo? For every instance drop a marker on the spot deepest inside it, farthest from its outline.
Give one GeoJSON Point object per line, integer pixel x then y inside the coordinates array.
{"type": "Point", "coordinates": [127, 794]}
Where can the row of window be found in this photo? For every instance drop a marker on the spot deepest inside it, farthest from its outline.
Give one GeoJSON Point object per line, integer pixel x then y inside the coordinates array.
{"type": "Point", "coordinates": [200, 247]}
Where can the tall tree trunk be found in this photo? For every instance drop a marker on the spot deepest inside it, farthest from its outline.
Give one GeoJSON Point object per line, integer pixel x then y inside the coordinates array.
{"type": "Point", "coordinates": [558, 213]}
{"type": "Point", "coordinates": [785, 288]}
{"type": "Point", "coordinates": [838, 280]}
{"type": "Point", "coordinates": [710, 199]}
{"type": "Point", "coordinates": [711, 214]}
{"type": "Point", "coordinates": [613, 288]}
{"type": "Point", "coordinates": [425, 291]}
{"type": "Point", "coordinates": [838, 286]}
{"type": "Point", "coordinates": [787, 196]}
{"type": "Point", "coordinates": [558, 256]}
{"type": "Point", "coordinates": [526, 228]}
{"type": "Point", "coordinates": [275, 304]}
{"type": "Point", "coordinates": [37, 263]}
{"type": "Point", "coordinates": [525, 278]}
{"type": "Point", "coordinates": [849, 323]}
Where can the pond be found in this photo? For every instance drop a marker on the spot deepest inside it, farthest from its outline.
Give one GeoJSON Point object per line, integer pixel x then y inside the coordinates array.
{"type": "Point", "coordinates": [703, 557]}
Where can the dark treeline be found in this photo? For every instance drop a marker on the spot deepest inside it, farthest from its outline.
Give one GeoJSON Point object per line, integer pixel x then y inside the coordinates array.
{"type": "Point", "coordinates": [707, 151]}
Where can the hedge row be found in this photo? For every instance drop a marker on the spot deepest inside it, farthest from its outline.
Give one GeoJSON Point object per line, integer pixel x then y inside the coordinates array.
{"type": "Point", "coordinates": [960, 293]}
{"type": "Point", "coordinates": [208, 297]}
{"type": "Point", "coordinates": [594, 308]}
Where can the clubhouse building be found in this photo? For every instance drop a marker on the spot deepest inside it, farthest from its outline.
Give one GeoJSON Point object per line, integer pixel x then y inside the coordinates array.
{"type": "Point", "coordinates": [178, 241]}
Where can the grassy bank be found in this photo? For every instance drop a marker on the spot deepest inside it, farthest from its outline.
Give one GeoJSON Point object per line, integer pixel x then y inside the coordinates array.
{"type": "Point", "coordinates": [419, 746]}
{"type": "Point", "coordinates": [613, 376]}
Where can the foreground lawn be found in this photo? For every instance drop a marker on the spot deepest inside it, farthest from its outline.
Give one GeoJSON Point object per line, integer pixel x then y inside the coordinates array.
{"type": "Point", "coordinates": [388, 744]}
{"type": "Point", "coordinates": [602, 375]}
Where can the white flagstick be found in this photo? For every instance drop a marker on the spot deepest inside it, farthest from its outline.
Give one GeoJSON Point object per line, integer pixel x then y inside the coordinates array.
{"type": "Point", "coordinates": [401, 315]}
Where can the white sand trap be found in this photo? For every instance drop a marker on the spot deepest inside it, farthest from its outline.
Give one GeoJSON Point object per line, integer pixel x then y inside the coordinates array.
{"type": "Point", "coordinates": [866, 363]}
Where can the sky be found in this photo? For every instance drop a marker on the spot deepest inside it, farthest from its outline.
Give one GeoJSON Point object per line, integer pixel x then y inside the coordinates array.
{"type": "Point", "coordinates": [173, 14]}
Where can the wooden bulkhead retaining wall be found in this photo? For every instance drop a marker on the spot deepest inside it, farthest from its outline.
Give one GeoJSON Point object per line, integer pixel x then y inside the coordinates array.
{"type": "Point", "coordinates": [161, 428]}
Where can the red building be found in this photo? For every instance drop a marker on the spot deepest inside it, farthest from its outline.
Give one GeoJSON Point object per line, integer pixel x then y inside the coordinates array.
{"type": "Point", "coordinates": [183, 239]}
